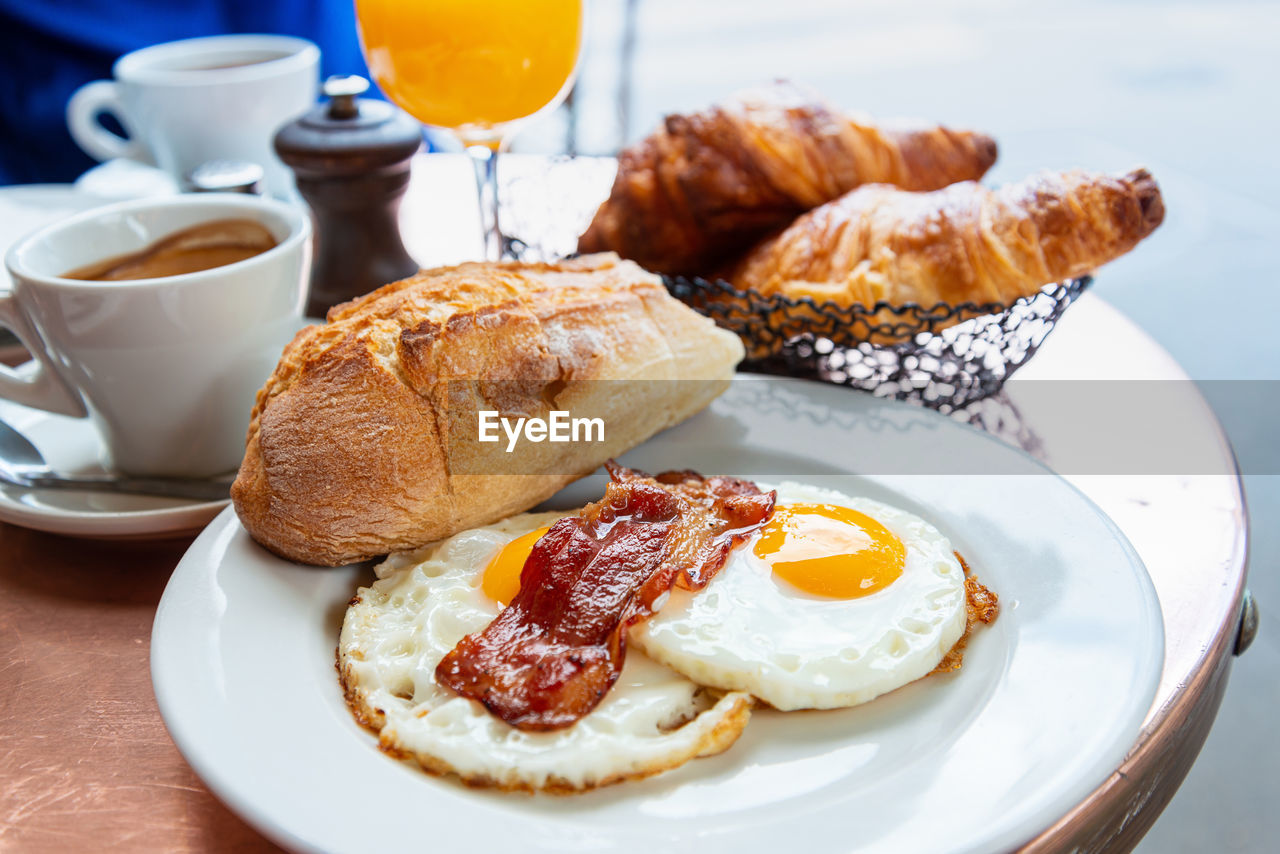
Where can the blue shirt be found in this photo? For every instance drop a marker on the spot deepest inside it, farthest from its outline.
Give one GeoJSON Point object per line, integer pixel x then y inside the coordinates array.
{"type": "Point", "coordinates": [49, 48]}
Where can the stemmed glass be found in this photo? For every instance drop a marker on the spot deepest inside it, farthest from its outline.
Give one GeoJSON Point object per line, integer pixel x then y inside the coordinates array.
{"type": "Point", "coordinates": [475, 67]}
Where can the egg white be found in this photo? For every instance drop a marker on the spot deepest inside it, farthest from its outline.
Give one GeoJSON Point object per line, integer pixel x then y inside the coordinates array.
{"type": "Point", "coordinates": [747, 631]}
{"type": "Point", "coordinates": [396, 631]}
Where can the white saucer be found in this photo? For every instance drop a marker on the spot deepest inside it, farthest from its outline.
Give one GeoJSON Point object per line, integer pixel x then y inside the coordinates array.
{"type": "Point", "coordinates": [71, 445]}
{"type": "Point", "coordinates": [126, 179]}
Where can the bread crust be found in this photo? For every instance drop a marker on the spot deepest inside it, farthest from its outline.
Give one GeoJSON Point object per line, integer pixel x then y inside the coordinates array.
{"type": "Point", "coordinates": [362, 441]}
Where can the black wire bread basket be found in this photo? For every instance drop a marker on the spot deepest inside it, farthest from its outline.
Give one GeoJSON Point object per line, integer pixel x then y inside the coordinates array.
{"type": "Point", "coordinates": [944, 357]}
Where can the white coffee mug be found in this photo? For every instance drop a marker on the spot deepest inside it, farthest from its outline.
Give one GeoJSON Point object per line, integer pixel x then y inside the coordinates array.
{"type": "Point", "coordinates": [166, 368]}
{"type": "Point", "coordinates": [188, 102]}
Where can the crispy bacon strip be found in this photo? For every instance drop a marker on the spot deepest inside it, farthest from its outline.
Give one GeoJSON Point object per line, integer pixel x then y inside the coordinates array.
{"type": "Point", "coordinates": [551, 654]}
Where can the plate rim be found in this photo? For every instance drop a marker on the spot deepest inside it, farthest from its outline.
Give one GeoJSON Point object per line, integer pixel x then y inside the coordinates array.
{"type": "Point", "coordinates": [226, 524]}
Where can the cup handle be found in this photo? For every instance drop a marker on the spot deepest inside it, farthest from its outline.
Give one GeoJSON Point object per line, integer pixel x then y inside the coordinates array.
{"type": "Point", "coordinates": [37, 385]}
{"type": "Point", "coordinates": [90, 101]}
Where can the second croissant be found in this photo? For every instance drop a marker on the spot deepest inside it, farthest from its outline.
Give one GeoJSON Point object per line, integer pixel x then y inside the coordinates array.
{"type": "Point", "coordinates": [964, 243]}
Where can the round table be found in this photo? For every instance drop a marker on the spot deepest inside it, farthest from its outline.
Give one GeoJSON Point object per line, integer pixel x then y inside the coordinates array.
{"type": "Point", "coordinates": [87, 758]}
{"type": "Point", "coordinates": [1191, 531]}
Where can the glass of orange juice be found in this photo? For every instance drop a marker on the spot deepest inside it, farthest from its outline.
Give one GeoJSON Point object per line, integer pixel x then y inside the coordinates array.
{"type": "Point", "coordinates": [475, 67]}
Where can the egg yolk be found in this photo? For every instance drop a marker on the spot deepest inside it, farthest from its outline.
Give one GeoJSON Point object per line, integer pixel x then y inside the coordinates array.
{"type": "Point", "coordinates": [830, 551]}
{"type": "Point", "coordinates": [501, 580]}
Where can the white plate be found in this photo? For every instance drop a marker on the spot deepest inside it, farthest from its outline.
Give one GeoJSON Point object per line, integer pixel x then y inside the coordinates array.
{"type": "Point", "coordinates": [1048, 702]}
{"type": "Point", "coordinates": [71, 445]}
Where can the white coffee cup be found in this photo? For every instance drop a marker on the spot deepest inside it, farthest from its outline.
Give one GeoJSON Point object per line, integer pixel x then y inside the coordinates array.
{"type": "Point", "coordinates": [188, 102]}
{"type": "Point", "coordinates": [166, 368]}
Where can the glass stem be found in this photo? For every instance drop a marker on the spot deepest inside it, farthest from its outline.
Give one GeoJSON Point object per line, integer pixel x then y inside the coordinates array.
{"type": "Point", "coordinates": [485, 161]}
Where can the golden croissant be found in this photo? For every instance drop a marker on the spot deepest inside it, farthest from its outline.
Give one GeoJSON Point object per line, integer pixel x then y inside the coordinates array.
{"type": "Point", "coordinates": [705, 186]}
{"type": "Point", "coordinates": [964, 243]}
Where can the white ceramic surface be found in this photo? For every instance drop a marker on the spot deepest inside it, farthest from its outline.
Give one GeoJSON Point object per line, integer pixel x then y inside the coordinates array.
{"type": "Point", "coordinates": [187, 102]}
{"type": "Point", "coordinates": [1048, 702]}
{"type": "Point", "coordinates": [166, 368]}
{"type": "Point", "coordinates": [121, 178]}
{"type": "Point", "coordinates": [26, 207]}
{"type": "Point", "coordinates": [71, 445]}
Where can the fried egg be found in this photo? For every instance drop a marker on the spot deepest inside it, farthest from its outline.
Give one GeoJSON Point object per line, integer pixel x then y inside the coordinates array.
{"type": "Point", "coordinates": [835, 601]}
{"type": "Point", "coordinates": [396, 631]}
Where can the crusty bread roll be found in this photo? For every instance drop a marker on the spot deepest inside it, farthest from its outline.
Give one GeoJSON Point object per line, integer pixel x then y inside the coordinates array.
{"type": "Point", "coordinates": [364, 439]}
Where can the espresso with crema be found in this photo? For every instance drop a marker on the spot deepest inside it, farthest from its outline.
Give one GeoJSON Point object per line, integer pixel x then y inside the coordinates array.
{"type": "Point", "coordinates": [201, 247]}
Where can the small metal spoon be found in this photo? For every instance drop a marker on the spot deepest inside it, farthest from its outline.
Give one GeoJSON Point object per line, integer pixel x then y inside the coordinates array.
{"type": "Point", "coordinates": [21, 464]}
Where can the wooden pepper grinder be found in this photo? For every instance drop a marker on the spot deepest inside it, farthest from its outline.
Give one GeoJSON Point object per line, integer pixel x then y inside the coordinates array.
{"type": "Point", "coordinates": [351, 159]}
